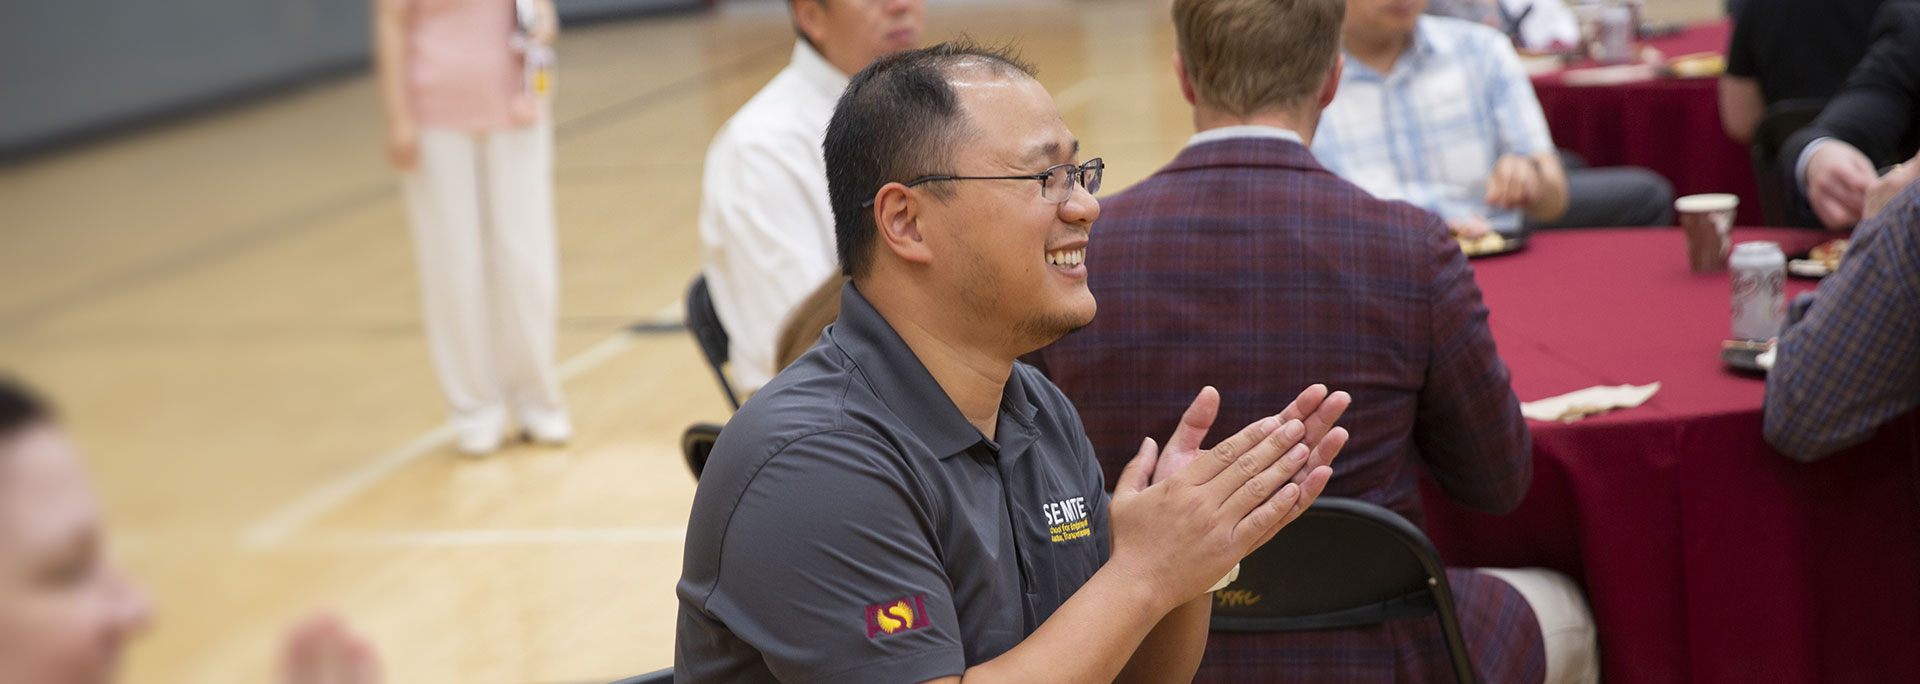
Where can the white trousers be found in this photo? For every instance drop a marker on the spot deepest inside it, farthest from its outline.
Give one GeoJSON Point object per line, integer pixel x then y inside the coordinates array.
{"type": "Point", "coordinates": [1566, 624]}
{"type": "Point", "coordinates": [483, 228]}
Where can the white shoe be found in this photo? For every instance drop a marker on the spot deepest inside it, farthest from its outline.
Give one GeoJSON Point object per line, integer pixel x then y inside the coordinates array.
{"type": "Point", "coordinates": [477, 441]}
{"type": "Point", "coordinates": [552, 430]}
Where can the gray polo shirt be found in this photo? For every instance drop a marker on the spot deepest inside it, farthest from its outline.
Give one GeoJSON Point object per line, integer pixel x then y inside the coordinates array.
{"type": "Point", "coordinates": [852, 526]}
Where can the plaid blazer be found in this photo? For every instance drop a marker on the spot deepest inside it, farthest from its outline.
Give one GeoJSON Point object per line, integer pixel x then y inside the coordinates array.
{"type": "Point", "coordinates": [1245, 265]}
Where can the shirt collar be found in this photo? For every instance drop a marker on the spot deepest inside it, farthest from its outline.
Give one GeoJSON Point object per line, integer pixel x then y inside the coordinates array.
{"type": "Point", "coordinates": [817, 71]}
{"type": "Point", "coordinates": [1430, 39]}
{"type": "Point", "coordinates": [1248, 131]}
{"type": "Point", "coordinates": [902, 381]}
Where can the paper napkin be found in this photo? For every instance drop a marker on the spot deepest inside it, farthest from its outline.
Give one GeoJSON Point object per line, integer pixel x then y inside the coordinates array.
{"type": "Point", "coordinates": [1578, 404]}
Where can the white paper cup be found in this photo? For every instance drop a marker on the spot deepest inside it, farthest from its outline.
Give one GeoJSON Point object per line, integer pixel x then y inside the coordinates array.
{"type": "Point", "coordinates": [1707, 221]}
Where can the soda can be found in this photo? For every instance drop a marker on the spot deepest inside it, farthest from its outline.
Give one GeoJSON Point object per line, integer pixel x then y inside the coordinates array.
{"type": "Point", "coordinates": [1759, 271]}
{"type": "Point", "coordinates": [1616, 34]}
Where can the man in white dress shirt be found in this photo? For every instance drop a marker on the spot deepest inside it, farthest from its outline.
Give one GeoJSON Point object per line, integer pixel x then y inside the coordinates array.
{"type": "Point", "coordinates": [766, 230]}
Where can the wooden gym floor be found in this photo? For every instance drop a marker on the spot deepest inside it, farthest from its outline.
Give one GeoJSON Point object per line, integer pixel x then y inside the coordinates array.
{"type": "Point", "coordinates": [225, 309]}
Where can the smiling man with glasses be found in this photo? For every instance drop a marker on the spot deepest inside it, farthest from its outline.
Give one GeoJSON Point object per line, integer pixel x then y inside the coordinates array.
{"type": "Point", "coordinates": [907, 502]}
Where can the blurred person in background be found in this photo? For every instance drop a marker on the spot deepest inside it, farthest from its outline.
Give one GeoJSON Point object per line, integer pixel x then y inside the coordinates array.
{"type": "Point", "coordinates": [766, 230]}
{"type": "Point", "coordinates": [470, 129]}
{"type": "Point", "coordinates": [1260, 296]}
{"type": "Point", "coordinates": [1534, 25]}
{"type": "Point", "coordinates": [1438, 112]}
{"type": "Point", "coordinates": [803, 326]}
{"type": "Point", "coordinates": [1868, 124]}
{"type": "Point", "coordinates": [1789, 50]}
{"type": "Point", "coordinates": [67, 612]}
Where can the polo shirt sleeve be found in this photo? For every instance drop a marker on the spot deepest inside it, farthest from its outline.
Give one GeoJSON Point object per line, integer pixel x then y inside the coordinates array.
{"type": "Point", "coordinates": [1521, 125]}
{"type": "Point", "coordinates": [828, 568]}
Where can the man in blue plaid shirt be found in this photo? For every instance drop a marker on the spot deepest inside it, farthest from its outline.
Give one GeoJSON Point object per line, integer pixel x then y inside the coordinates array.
{"type": "Point", "coordinates": [1852, 362]}
{"type": "Point", "coordinates": [1437, 111]}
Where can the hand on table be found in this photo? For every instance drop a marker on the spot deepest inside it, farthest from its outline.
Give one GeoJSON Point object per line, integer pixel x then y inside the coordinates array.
{"type": "Point", "coordinates": [322, 650]}
{"type": "Point", "coordinates": [1837, 179]}
{"type": "Point", "coordinates": [1184, 532]}
{"type": "Point", "coordinates": [1514, 183]}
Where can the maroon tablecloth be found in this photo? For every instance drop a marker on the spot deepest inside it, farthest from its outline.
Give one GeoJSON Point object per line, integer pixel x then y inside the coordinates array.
{"type": "Point", "coordinates": [1707, 556]}
{"type": "Point", "coordinates": [1669, 125]}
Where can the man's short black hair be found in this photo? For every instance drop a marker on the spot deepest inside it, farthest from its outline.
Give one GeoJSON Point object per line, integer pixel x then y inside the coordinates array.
{"type": "Point", "coordinates": [898, 119]}
{"type": "Point", "coordinates": [19, 407]}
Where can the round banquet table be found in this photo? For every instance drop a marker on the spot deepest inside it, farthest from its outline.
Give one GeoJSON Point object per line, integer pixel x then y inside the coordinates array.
{"type": "Point", "coordinates": [1707, 556]}
{"type": "Point", "coordinates": [1670, 125]}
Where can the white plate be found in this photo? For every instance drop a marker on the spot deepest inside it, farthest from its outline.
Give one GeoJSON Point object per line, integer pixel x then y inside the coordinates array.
{"type": "Point", "coordinates": [1808, 268]}
{"type": "Point", "coordinates": [1610, 75]}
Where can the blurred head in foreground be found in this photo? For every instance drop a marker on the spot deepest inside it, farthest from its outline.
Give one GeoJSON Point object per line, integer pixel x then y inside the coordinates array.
{"type": "Point", "coordinates": [66, 612]}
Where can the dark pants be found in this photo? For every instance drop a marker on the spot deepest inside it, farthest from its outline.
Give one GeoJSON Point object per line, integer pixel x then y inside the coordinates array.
{"type": "Point", "coordinates": [1614, 196]}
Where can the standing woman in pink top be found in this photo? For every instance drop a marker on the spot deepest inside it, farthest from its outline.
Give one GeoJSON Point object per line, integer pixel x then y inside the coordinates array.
{"type": "Point", "coordinates": [468, 124]}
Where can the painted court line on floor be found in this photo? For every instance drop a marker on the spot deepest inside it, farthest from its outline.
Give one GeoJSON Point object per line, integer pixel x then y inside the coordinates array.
{"type": "Point", "coordinates": [275, 529]}
{"type": "Point", "coordinates": [560, 536]}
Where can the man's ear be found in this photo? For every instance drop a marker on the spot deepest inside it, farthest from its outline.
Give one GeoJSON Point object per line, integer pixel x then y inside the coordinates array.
{"type": "Point", "coordinates": [897, 214]}
{"type": "Point", "coordinates": [1332, 85]}
{"type": "Point", "coordinates": [1186, 82]}
{"type": "Point", "coordinates": [810, 17]}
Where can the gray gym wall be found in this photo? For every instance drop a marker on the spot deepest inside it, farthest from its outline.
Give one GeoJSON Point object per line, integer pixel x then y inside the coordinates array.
{"type": "Point", "coordinates": [73, 68]}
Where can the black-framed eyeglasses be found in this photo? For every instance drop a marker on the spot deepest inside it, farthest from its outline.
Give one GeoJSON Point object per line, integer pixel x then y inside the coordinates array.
{"type": "Point", "coordinates": [1056, 183]}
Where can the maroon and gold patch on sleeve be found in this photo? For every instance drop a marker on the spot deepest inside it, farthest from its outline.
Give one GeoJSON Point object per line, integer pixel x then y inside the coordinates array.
{"type": "Point", "coordinates": [893, 617]}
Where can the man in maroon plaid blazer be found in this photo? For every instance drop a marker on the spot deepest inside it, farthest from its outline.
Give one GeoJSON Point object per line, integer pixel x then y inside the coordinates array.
{"type": "Point", "coordinates": [1245, 265]}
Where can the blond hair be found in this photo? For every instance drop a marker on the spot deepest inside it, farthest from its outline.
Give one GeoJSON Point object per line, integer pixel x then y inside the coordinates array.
{"type": "Point", "coordinates": [1251, 56]}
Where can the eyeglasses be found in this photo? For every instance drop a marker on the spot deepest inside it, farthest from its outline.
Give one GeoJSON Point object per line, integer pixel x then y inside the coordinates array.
{"type": "Point", "coordinates": [1056, 183]}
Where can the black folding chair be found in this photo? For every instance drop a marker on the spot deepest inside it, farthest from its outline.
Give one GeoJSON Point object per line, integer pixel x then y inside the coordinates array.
{"type": "Point", "coordinates": [1778, 203]}
{"type": "Point", "coordinates": [696, 443]}
{"type": "Point", "coordinates": [1344, 563]}
{"type": "Point", "coordinates": [656, 677]}
{"type": "Point", "coordinates": [704, 323]}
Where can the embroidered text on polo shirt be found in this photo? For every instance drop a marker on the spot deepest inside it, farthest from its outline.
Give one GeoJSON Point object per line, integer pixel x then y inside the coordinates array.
{"type": "Point", "coordinates": [1067, 519]}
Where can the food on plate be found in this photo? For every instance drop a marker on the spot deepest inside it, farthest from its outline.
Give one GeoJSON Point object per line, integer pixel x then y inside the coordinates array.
{"type": "Point", "coordinates": [1829, 253]}
{"type": "Point", "coordinates": [1821, 261]}
{"type": "Point", "coordinates": [1485, 244]}
{"type": "Point", "coordinates": [1697, 65]}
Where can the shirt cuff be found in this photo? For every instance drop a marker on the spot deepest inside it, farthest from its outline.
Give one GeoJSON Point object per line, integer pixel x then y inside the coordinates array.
{"type": "Point", "coordinates": [1800, 165]}
{"type": "Point", "coordinates": [1232, 575]}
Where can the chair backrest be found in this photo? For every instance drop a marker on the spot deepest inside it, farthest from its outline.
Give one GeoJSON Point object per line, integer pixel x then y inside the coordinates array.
{"type": "Point", "coordinates": [704, 323]}
{"type": "Point", "coordinates": [1781, 121]}
{"type": "Point", "coordinates": [656, 677]}
{"type": "Point", "coordinates": [1344, 563]}
{"type": "Point", "coordinates": [696, 443]}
